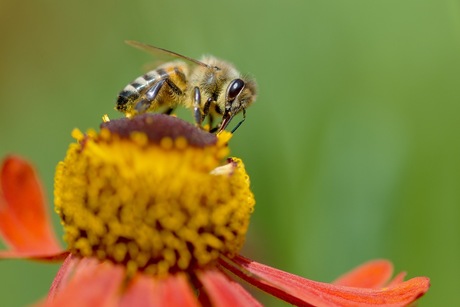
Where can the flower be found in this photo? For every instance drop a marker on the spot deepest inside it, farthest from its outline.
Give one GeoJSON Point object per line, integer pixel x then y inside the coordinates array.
{"type": "Point", "coordinates": [155, 216]}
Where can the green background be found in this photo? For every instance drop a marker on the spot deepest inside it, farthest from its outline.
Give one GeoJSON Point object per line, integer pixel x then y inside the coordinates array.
{"type": "Point", "coordinates": [352, 146]}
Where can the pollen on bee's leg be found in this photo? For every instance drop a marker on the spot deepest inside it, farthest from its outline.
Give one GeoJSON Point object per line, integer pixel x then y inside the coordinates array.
{"type": "Point", "coordinates": [153, 193]}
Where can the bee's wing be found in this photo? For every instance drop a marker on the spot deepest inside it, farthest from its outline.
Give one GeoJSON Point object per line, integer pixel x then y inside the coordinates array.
{"type": "Point", "coordinates": [160, 51]}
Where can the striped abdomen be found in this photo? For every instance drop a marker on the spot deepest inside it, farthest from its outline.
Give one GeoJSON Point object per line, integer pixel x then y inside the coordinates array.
{"type": "Point", "coordinates": [173, 83]}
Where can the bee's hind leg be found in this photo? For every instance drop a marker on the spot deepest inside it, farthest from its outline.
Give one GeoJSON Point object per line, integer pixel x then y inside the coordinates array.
{"type": "Point", "coordinates": [144, 104]}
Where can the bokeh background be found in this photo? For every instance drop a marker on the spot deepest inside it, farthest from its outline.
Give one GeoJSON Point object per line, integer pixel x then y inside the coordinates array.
{"type": "Point", "coordinates": [353, 146]}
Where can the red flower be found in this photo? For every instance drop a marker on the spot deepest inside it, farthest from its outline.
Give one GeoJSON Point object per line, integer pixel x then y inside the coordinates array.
{"type": "Point", "coordinates": [97, 281]}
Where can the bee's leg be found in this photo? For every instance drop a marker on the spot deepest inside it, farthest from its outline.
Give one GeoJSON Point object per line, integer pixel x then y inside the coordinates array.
{"type": "Point", "coordinates": [144, 104]}
{"type": "Point", "coordinates": [210, 121]}
{"type": "Point", "coordinates": [206, 107]}
{"type": "Point", "coordinates": [241, 121]}
{"type": "Point", "coordinates": [173, 87]}
{"type": "Point", "coordinates": [196, 106]}
{"type": "Point", "coordinates": [176, 91]}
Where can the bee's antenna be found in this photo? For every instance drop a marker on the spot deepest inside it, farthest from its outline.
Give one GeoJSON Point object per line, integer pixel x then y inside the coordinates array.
{"type": "Point", "coordinates": [241, 121]}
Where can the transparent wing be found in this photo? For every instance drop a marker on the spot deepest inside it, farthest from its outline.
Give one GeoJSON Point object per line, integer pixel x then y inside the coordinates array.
{"type": "Point", "coordinates": [160, 51]}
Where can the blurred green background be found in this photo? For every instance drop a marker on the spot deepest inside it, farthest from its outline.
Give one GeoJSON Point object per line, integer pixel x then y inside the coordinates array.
{"type": "Point", "coordinates": [353, 145]}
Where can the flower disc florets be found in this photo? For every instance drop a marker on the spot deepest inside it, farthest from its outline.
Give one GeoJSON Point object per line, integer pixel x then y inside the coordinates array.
{"type": "Point", "coordinates": [153, 193]}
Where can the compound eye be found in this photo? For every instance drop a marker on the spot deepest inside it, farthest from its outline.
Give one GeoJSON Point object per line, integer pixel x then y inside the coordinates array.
{"type": "Point", "coordinates": [234, 89]}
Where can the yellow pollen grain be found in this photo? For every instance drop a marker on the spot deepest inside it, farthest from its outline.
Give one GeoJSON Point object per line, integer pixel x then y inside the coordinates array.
{"type": "Point", "coordinates": [105, 134]}
{"type": "Point", "coordinates": [181, 143]}
{"type": "Point", "coordinates": [167, 143]}
{"type": "Point", "coordinates": [140, 138]}
{"type": "Point", "coordinates": [153, 207]}
{"type": "Point", "coordinates": [77, 134]}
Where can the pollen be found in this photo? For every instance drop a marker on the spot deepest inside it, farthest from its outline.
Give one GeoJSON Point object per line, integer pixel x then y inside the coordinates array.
{"type": "Point", "coordinates": [154, 194]}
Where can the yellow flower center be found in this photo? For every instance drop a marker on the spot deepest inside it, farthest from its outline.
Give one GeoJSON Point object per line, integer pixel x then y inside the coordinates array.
{"type": "Point", "coordinates": [153, 193]}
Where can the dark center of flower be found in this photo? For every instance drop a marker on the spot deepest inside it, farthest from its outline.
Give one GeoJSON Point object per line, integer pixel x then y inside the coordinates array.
{"type": "Point", "coordinates": [153, 193]}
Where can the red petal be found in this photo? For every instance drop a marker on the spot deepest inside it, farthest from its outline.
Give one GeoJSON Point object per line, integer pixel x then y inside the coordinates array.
{"type": "Point", "coordinates": [373, 275]}
{"type": "Point", "coordinates": [24, 221]}
{"type": "Point", "coordinates": [397, 279]}
{"type": "Point", "coordinates": [300, 291]}
{"type": "Point", "coordinates": [47, 256]}
{"type": "Point", "coordinates": [63, 276]}
{"type": "Point", "coordinates": [225, 292]}
{"type": "Point", "coordinates": [147, 291]}
{"type": "Point", "coordinates": [93, 284]}
{"type": "Point", "coordinates": [139, 293]}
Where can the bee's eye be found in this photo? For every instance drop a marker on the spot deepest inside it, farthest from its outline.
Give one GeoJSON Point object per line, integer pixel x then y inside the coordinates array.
{"type": "Point", "coordinates": [233, 90]}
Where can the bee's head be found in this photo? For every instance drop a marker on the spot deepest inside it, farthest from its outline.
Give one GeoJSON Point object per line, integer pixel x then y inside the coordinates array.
{"type": "Point", "coordinates": [239, 95]}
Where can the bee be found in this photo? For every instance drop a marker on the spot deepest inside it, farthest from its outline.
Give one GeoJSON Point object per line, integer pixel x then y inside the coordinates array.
{"type": "Point", "coordinates": [210, 87]}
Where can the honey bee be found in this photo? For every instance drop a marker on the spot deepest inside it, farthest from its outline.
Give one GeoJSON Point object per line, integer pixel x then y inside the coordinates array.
{"type": "Point", "coordinates": [210, 87]}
